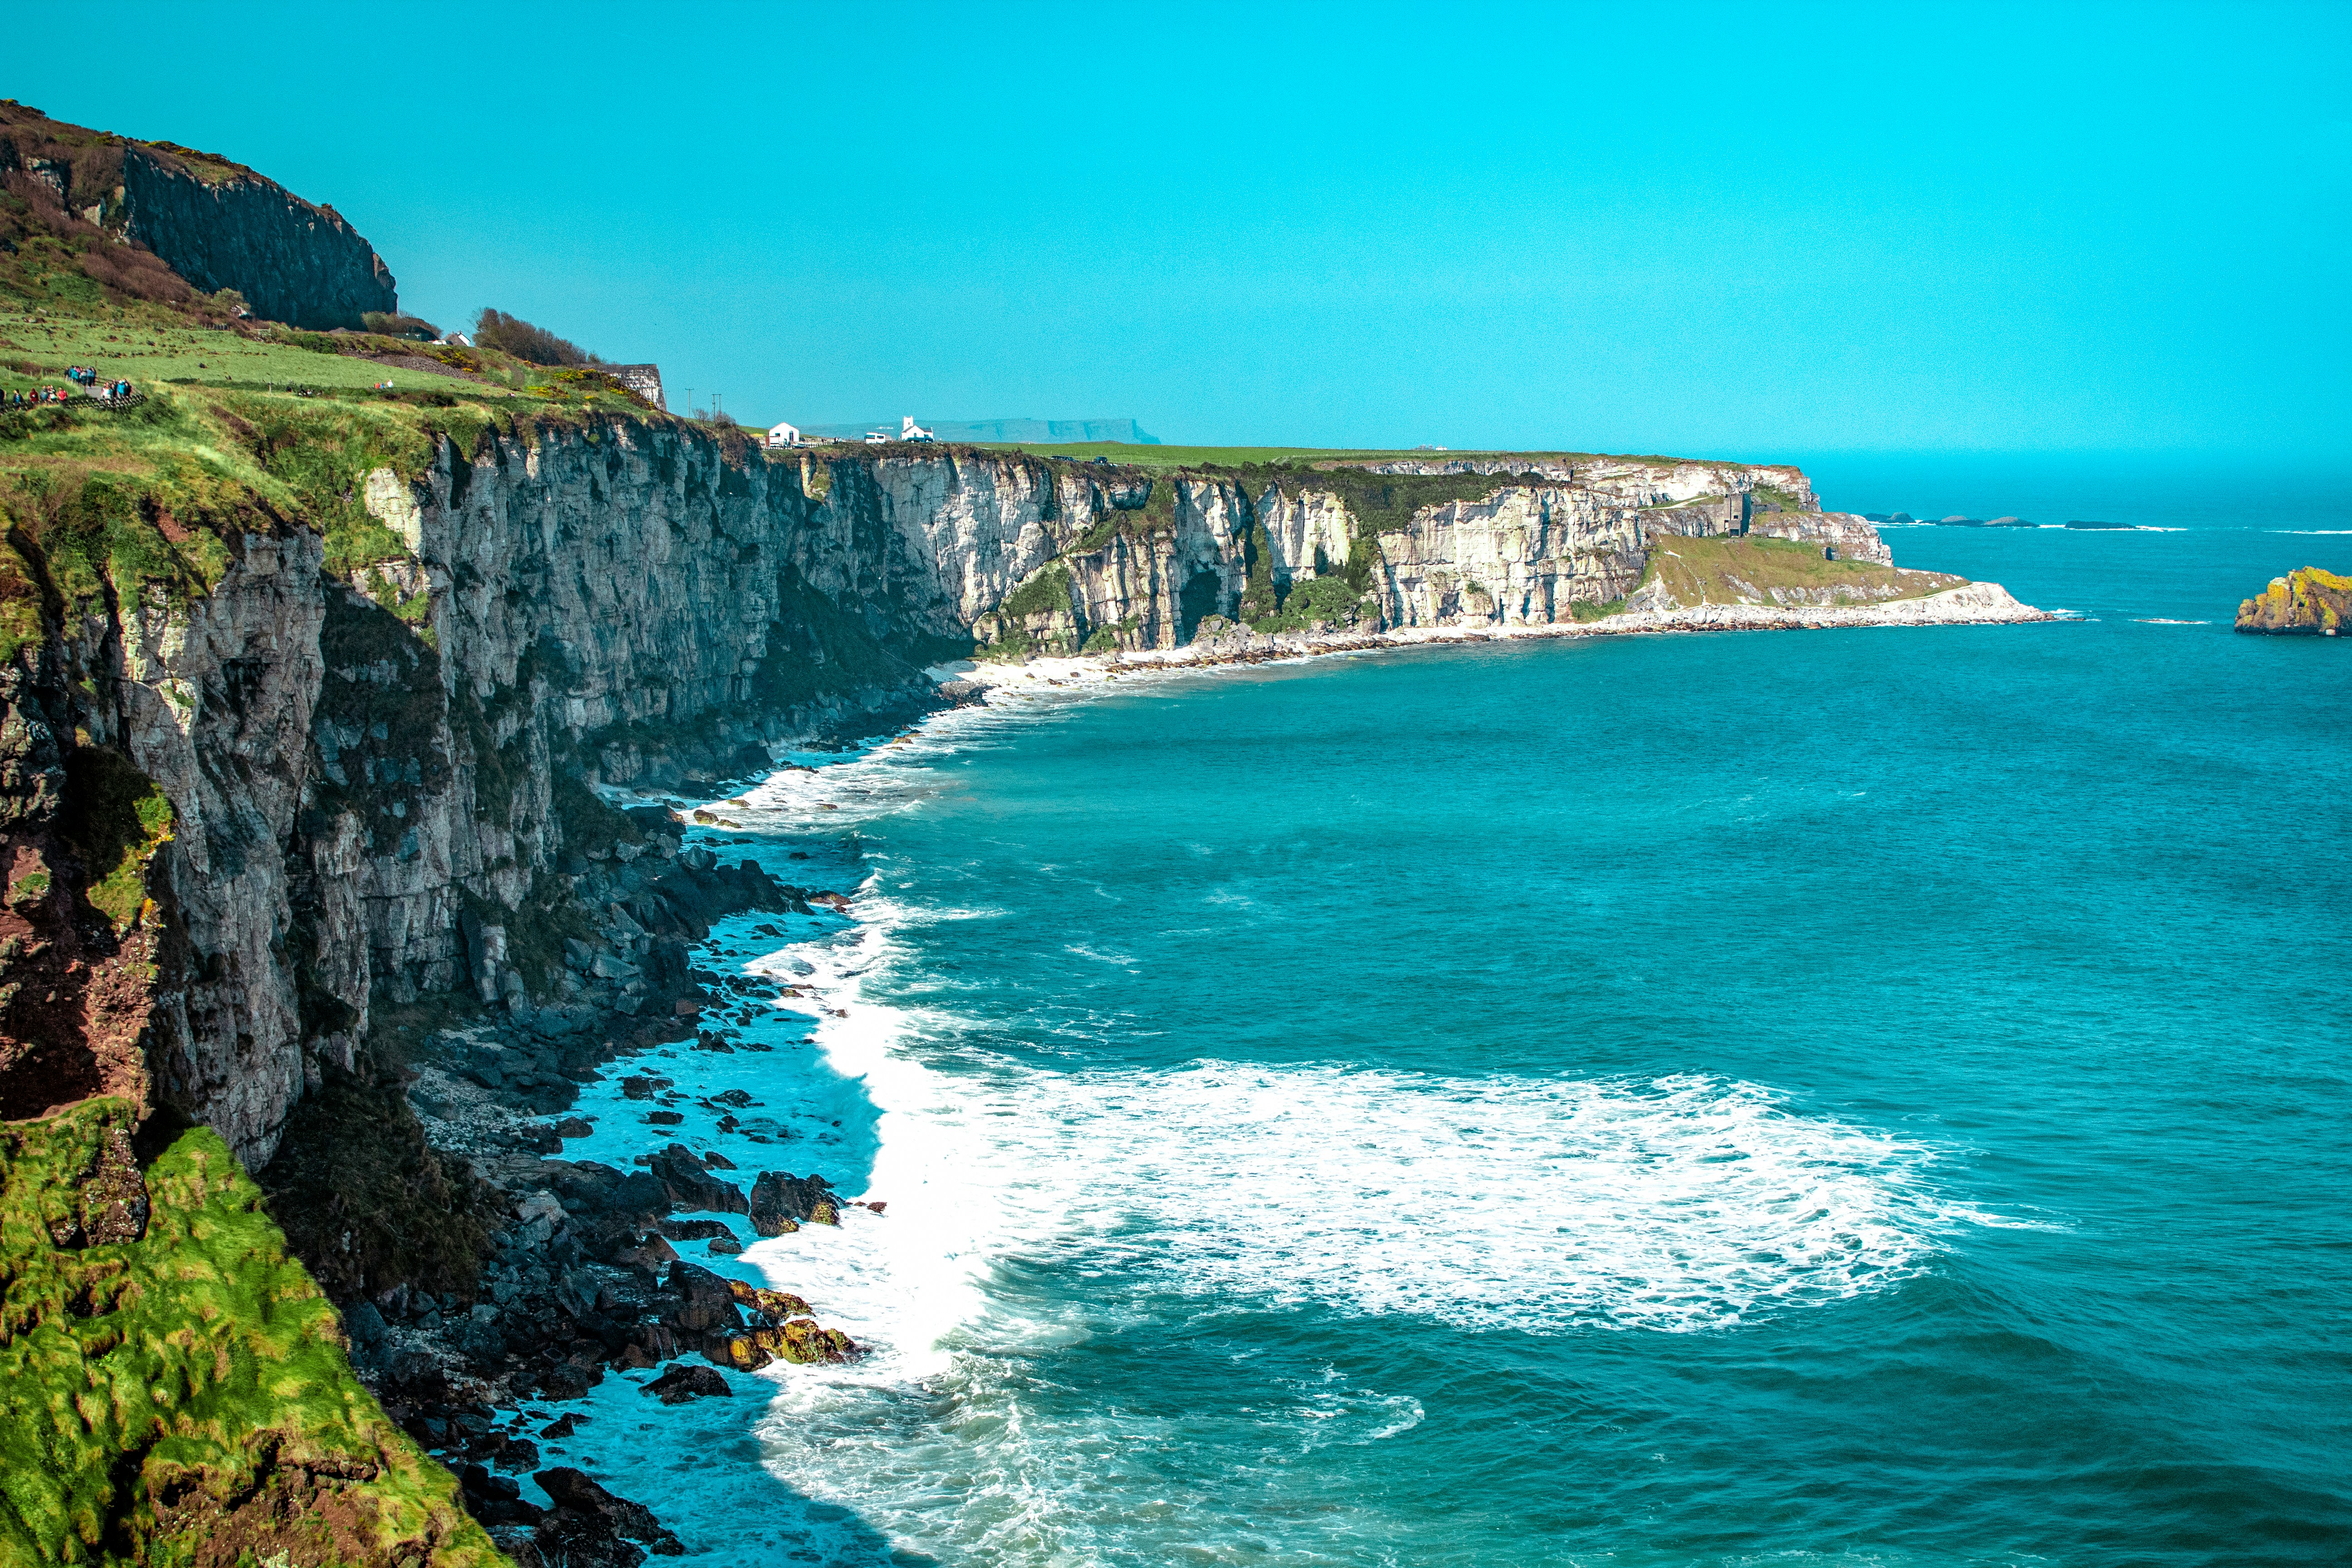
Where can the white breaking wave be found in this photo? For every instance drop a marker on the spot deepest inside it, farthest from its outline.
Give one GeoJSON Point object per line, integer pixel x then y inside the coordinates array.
{"type": "Point", "coordinates": [1536, 1203]}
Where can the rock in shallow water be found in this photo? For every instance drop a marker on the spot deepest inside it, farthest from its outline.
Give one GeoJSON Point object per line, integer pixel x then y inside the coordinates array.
{"type": "Point", "coordinates": [683, 1381]}
{"type": "Point", "coordinates": [591, 1528]}
{"type": "Point", "coordinates": [2305, 602]}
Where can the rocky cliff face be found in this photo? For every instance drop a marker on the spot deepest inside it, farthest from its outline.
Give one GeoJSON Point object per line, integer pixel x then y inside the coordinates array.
{"type": "Point", "coordinates": [1465, 543]}
{"type": "Point", "coordinates": [217, 223]}
{"type": "Point", "coordinates": [292, 260]}
{"type": "Point", "coordinates": [2307, 603]}
{"type": "Point", "coordinates": [383, 790]}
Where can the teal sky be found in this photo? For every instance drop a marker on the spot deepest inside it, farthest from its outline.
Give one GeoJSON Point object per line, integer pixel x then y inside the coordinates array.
{"type": "Point", "coordinates": [1740, 231]}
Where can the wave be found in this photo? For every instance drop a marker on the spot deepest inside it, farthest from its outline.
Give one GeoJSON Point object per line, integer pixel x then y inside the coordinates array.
{"type": "Point", "coordinates": [1540, 1205]}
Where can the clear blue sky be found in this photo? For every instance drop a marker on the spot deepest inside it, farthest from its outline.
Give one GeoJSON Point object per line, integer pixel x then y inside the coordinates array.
{"type": "Point", "coordinates": [1735, 231]}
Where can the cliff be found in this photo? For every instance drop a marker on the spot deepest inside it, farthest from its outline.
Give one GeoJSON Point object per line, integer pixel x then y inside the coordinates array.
{"type": "Point", "coordinates": [215, 224]}
{"type": "Point", "coordinates": [2307, 602]}
{"type": "Point", "coordinates": [356, 767]}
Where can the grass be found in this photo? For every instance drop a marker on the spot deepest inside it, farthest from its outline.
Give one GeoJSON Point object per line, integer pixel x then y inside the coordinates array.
{"type": "Point", "coordinates": [1334, 602]}
{"type": "Point", "coordinates": [127, 344]}
{"type": "Point", "coordinates": [137, 502]}
{"type": "Point", "coordinates": [118, 819]}
{"type": "Point", "coordinates": [189, 1390]}
{"type": "Point", "coordinates": [1729, 569]}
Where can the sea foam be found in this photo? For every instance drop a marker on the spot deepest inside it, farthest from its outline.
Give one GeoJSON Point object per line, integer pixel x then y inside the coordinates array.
{"type": "Point", "coordinates": [1537, 1203]}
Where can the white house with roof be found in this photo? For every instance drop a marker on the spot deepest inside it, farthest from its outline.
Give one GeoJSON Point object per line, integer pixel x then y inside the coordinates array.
{"type": "Point", "coordinates": [783, 436]}
{"type": "Point", "coordinates": [910, 431]}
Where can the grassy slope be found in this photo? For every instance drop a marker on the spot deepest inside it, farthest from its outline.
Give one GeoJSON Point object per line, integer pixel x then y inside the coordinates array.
{"type": "Point", "coordinates": [139, 499]}
{"type": "Point", "coordinates": [129, 345]}
{"type": "Point", "coordinates": [171, 1392]}
{"type": "Point", "coordinates": [1724, 570]}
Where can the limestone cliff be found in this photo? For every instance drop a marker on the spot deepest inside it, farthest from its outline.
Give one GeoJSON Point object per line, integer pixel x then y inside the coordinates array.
{"type": "Point", "coordinates": [381, 785]}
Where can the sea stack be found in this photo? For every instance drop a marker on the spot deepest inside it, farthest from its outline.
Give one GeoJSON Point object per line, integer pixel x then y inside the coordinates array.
{"type": "Point", "coordinates": [2307, 602]}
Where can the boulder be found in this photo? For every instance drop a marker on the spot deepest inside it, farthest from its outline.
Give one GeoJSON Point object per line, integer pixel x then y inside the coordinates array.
{"type": "Point", "coordinates": [591, 1528]}
{"type": "Point", "coordinates": [705, 1306]}
{"type": "Point", "coordinates": [772, 1306]}
{"type": "Point", "coordinates": [365, 1324]}
{"type": "Point", "coordinates": [495, 1498]}
{"type": "Point", "coordinates": [685, 1381]}
{"type": "Point", "coordinates": [690, 1184]}
{"type": "Point", "coordinates": [780, 1201]}
{"type": "Point", "coordinates": [799, 1340]}
{"type": "Point", "coordinates": [653, 1253]}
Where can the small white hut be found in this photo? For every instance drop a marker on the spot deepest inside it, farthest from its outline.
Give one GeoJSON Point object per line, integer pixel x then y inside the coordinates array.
{"type": "Point", "coordinates": [783, 436]}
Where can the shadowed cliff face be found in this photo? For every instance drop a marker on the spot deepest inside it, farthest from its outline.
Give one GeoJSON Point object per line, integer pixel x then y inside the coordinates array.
{"type": "Point", "coordinates": [293, 261]}
{"type": "Point", "coordinates": [368, 806]}
{"type": "Point", "coordinates": [217, 223]}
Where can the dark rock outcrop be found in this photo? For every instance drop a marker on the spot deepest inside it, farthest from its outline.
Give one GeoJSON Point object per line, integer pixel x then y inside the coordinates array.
{"type": "Point", "coordinates": [690, 1184]}
{"type": "Point", "coordinates": [685, 1381]}
{"type": "Point", "coordinates": [781, 1203]}
{"type": "Point", "coordinates": [591, 1528]}
{"type": "Point", "coordinates": [293, 261]}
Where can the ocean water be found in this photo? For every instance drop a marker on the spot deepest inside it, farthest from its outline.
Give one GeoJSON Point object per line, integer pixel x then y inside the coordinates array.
{"type": "Point", "coordinates": [1871, 1096]}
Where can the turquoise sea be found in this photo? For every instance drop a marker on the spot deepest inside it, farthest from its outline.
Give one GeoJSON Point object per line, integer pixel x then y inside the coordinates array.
{"type": "Point", "coordinates": [1871, 1096]}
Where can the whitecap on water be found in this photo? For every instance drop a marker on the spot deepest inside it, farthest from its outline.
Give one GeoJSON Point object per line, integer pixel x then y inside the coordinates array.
{"type": "Point", "coordinates": [1537, 1203]}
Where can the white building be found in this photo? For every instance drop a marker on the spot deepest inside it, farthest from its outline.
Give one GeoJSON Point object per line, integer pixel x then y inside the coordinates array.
{"type": "Point", "coordinates": [910, 431]}
{"type": "Point", "coordinates": [783, 436]}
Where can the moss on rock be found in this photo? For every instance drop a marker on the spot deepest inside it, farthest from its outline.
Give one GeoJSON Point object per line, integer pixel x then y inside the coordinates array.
{"type": "Point", "coordinates": [185, 1397]}
{"type": "Point", "coordinates": [2307, 602]}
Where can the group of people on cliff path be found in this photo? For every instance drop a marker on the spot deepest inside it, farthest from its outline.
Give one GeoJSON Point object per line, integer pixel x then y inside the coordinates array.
{"type": "Point", "coordinates": [113, 392]}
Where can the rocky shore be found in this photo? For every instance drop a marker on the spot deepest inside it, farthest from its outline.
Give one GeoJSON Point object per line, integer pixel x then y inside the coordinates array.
{"type": "Point", "coordinates": [578, 1274]}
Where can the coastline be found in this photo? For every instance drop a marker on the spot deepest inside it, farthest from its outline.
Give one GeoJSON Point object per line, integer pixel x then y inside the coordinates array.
{"type": "Point", "coordinates": [614, 1294]}
{"type": "Point", "coordinates": [1970, 604]}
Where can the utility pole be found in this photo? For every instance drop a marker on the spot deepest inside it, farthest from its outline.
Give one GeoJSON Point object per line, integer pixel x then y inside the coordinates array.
{"type": "Point", "coordinates": [689, 402]}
